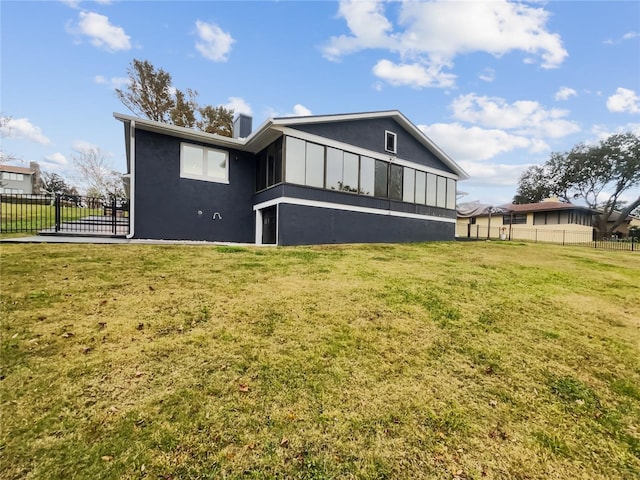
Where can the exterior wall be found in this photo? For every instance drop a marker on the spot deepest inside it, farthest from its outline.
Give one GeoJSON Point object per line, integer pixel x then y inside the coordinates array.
{"type": "Point", "coordinates": [304, 225]}
{"type": "Point", "coordinates": [331, 196]}
{"type": "Point", "coordinates": [170, 207]}
{"type": "Point", "coordinates": [10, 185]}
{"type": "Point", "coordinates": [369, 134]}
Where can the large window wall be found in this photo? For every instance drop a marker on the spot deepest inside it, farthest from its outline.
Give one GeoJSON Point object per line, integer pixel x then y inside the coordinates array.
{"type": "Point", "coordinates": [315, 165]}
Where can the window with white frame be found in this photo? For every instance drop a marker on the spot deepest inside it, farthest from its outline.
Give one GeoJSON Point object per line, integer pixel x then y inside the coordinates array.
{"type": "Point", "coordinates": [201, 163]}
{"type": "Point", "coordinates": [390, 141]}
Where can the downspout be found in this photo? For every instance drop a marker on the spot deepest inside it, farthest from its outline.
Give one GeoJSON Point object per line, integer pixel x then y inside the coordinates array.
{"type": "Point", "coordinates": [132, 178]}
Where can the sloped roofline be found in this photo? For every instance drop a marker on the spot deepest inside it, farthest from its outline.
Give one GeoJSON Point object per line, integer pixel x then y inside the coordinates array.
{"type": "Point", "coordinates": [255, 141]}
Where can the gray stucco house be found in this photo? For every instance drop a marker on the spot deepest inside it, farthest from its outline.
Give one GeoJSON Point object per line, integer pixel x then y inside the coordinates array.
{"type": "Point", "coordinates": [16, 180]}
{"type": "Point", "coordinates": [348, 178]}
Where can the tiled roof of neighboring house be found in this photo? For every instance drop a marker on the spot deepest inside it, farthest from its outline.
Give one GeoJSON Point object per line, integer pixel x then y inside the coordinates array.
{"type": "Point", "coordinates": [545, 207]}
{"type": "Point", "coordinates": [14, 169]}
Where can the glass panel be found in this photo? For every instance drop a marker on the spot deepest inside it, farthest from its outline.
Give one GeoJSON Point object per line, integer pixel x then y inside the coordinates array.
{"type": "Point", "coordinates": [441, 199]}
{"type": "Point", "coordinates": [294, 166]}
{"type": "Point", "coordinates": [350, 173]}
{"type": "Point", "coordinates": [271, 164]}
{"type": "Point", "coordinates": [217, 164]}
{"type": "Point", "coordinates": [367, 175]}
{"type": "Point", "coordinates": [315, 165]}
{"type": "Point", "coordinates": [451, 193]}
{"type": "Point", "coordinates": [382, 170]}
{"type": "Point", "coordinates": [334, 169]}
{"type": "Point", "coordinates": [421, 182]}
{"type": "Point", "coordinates": [431, 189]}
{"type": "Point", "coordinates": [261, 171]}
{"type": "Point", "coordinates": [395, 182]}
{"type": "Point", "coordinates": [278, 165]}
{"type": "Point", "coordinates": [408, 185]}
{"type": "Point", "coordinates": [192, 160]}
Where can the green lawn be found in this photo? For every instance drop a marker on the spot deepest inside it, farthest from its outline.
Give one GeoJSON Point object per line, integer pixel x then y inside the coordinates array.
{"type": "Point", "coordinates": [495, 360]}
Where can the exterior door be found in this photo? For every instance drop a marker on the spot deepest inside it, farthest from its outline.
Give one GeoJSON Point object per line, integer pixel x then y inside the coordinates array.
{"type": "Point", "coordinates": [269, 225]}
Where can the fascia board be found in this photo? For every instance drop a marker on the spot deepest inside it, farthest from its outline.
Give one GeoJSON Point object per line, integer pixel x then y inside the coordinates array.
{"type": "Point", "coordinates": [182, 132]}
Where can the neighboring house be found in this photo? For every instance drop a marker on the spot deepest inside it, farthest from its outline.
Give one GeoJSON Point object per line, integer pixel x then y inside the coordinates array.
{"type": "Point", "coordinates": [622, 230]}
{"type": "Point", "coordinates": [362, 177]}
{"type": "Point", "coordinates": [15, 180]}
{"type": "Point", "coordinates": [549, 220]}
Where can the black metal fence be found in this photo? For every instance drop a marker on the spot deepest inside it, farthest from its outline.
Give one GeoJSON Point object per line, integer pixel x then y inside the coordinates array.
{"type": "Point", "coordinates": [584, 238]}
{"type": "Point", "coordinates": [63, 214]}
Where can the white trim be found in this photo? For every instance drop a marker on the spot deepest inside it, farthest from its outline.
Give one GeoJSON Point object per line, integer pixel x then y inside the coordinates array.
{"type": "Point", "coordinates": [347, 147]}
{"type": "Point", "coordinates": [258, 227]}
{"type": "Point", "coordinates": [204, 178]}
{"type": "Point", "coordinates": [349, 208]}
{"type": "Point", "coordinates": [132, 178]}
{"type": "Point", "coordinates": [395, 141]}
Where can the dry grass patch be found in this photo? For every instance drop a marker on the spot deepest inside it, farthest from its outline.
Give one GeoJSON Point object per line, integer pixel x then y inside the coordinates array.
{"type": "Point", "coordinates": [485, 360]}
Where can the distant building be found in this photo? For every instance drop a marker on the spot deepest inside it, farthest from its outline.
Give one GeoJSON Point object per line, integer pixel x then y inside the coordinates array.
{"type": "Point", "coordinates": [16, 180]}
{"type": "Point", "coordinates": [546, 221]}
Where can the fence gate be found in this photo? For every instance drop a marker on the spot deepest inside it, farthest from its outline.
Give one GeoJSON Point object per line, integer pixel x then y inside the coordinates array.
{"type": "Point", "coordinates": [64, 215]}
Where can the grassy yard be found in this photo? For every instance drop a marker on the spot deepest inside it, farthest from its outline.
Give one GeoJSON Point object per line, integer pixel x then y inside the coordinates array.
{"type": "Point", "coordinates": [447, 360]}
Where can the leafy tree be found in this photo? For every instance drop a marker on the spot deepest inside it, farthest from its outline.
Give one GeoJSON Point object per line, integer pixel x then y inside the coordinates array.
{"type": "Point", "coordinates": [54, 184]}
{"type": "Point", "coordinates": [151, 94]}
{"type": "Point", "coordinates": [217, 120]}
{"type": "Point", "coordinates": [597, 174]}
{"type": "Point", "coordinates": [149, 91]}
{"type": "Point", "coordinates": [96, 174]}
{"type": "Point", "coordinates": [183, 112]}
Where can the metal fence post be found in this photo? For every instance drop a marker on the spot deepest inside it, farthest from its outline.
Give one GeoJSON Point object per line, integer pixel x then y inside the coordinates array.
{"type": "Point", "coordinates": [113, 215]}
{"type": "Point", "coordinates": [57, 212]}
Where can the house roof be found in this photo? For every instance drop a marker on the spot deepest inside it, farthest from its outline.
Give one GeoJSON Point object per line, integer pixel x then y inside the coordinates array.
{"type": "Point", "coordinates": [266, 133]}
{"type": "Point", "coordinates": [545, 207]}
{"type": "Point", "coordinates": [14, 169]}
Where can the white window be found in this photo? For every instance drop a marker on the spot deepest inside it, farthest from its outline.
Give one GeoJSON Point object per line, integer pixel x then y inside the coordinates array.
{"type": "Point", "coordinates": [200, 163]}
{"type": "Point", "coordinates": [390, 141]}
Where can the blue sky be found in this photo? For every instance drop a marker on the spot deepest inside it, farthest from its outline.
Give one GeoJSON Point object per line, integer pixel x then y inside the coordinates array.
{"type": "Point", "coordinates": [497, 85]}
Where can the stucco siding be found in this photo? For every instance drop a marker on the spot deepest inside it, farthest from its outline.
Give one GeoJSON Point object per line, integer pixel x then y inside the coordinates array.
{"type": "Point", "coordinates": [170, 207]}
{"type": "Point", "coordinates": [304, 225]}
{"type": "Point", "coordinates": [370, 134]}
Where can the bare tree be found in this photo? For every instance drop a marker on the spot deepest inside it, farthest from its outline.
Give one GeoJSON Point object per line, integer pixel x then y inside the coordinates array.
{"type": "Point", "coordinates": [96, 175]}
{"type": "Point", "coordinates": [4, 133]}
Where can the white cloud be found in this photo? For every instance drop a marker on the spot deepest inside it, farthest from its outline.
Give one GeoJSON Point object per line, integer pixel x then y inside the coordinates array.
{"type": "Point", "coordinates": [239, 105]}
{"type": "Point", "coordinates": [487, 75]}
{"type": "Point", "coordinates": [113, 82]}
{"type": "Point", "coordinates": [525, 116]}
{"type": "Point", "coordinates": [300, 110]}
{"type": "Point", "coordinates": [214, 44]}
{"type": "Point", "coordinates": [626, 36]}
{"type": "Point", "coordinates": [72, 3]}
{"type": "Point", "coordinates": [624, 100]}
{"type": "Point", "coordinates": [564, 93]}
{"type": "Point", "coordinates": [492, 174]}
{"type": "Point", "coordinates": [22, 128]}
{"type": "Point", "coordinates": [431, 34]}
{"type": "Point", "coordinates": [369, 28]}
{"type": "Point", "coordinates": [414, 75]}
{"type": "Point", "coordinates": [101, 32]}
{"type": "Point", "coordinates": [55, 161]}
{"type": "Point", "coordinates": [82, 146]}
{"type": "Point", "coordinates": [602, 132]}
{"type": "Point", "coordinates": [473, 144]}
